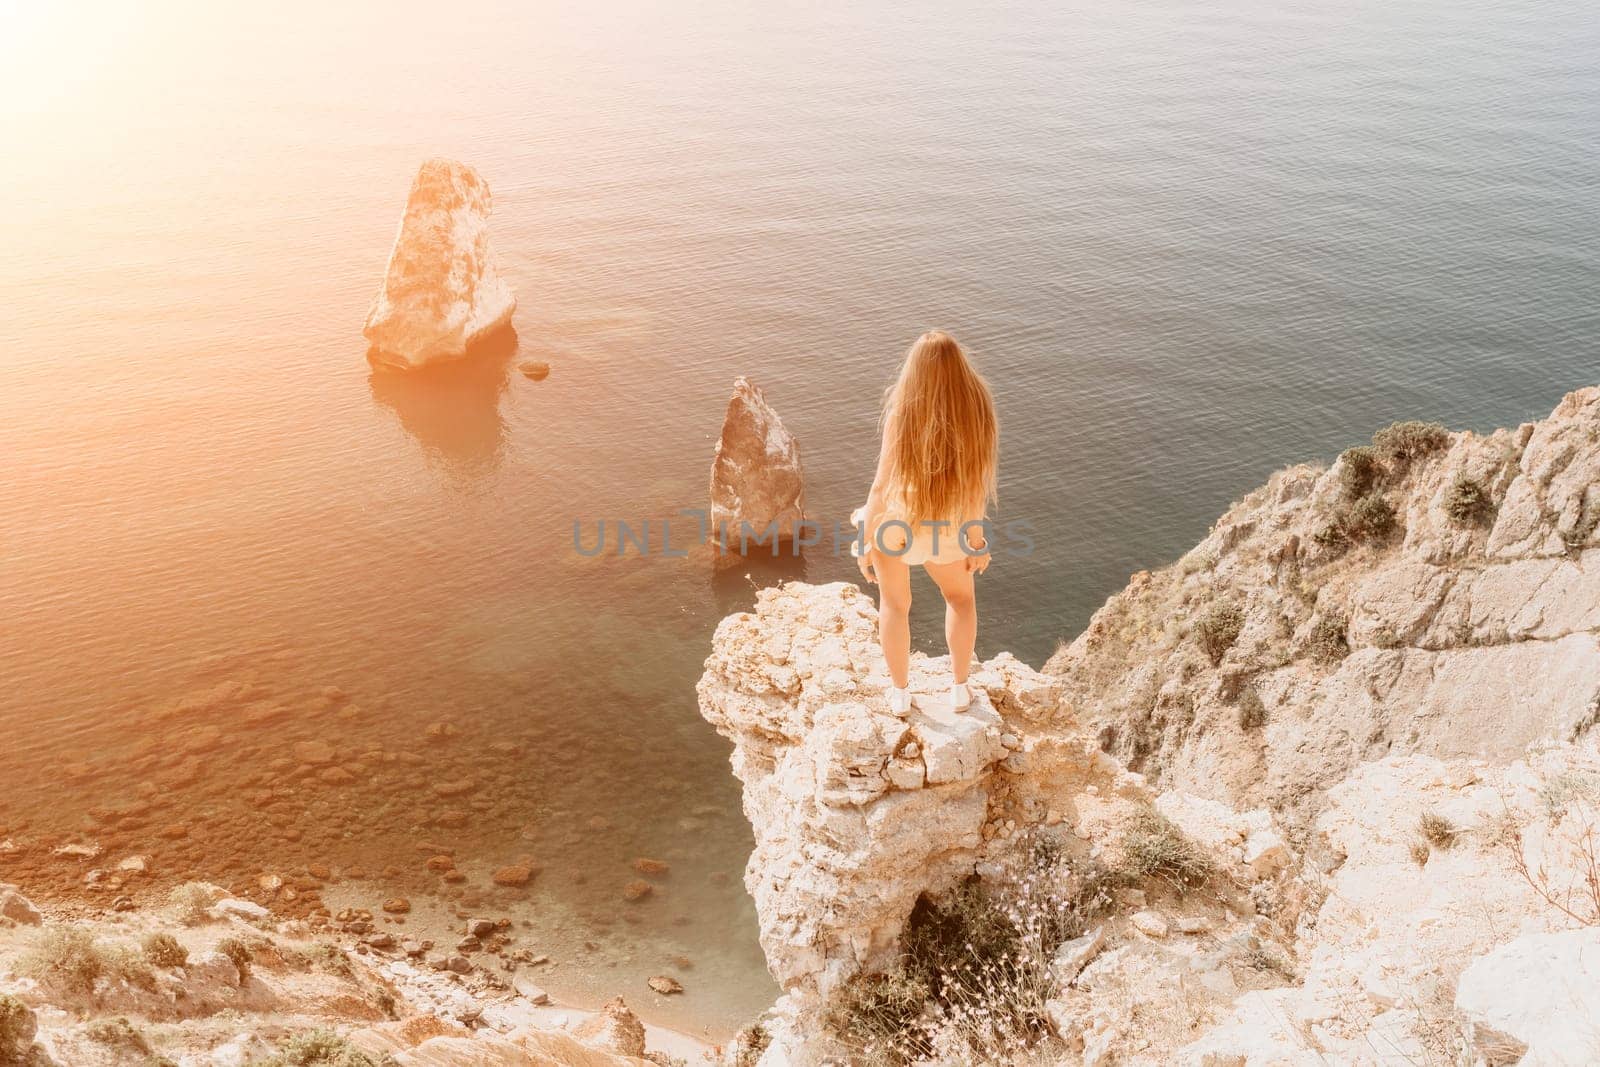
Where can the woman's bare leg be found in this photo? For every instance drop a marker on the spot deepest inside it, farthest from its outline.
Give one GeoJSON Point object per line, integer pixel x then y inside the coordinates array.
{"type": "Point", "coordinates": [894, 615]}
{"type": "Point", "coordinates": [960, 614]}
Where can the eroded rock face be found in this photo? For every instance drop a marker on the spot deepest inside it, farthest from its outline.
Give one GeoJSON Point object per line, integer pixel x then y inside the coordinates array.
{"type": "Point", "coordinates": [1466, 946]}
{"type": "Point", "coordinates": [857, 813]}
{"type": "Point", "coordinates": [1472, 629]}
{"type": "Point", "coordinates": [1428, 939]}
{"type": "Point", "coordinates": [1538, 996]}
{"type": "Point", "coordinates": [442, 291]}
{"type": "Point", "coordinates": [757, 484]}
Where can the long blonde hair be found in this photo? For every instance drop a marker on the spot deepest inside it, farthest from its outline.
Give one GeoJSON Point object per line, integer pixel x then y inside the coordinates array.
{"type": "Point", "coordinates": [943, 439]}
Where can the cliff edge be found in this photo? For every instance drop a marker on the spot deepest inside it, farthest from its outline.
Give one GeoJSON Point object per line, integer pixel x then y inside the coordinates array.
{"type": "Point", "coordinates": [1325, 790]}
{"type": "Point", "coordinates": [1434, 593]}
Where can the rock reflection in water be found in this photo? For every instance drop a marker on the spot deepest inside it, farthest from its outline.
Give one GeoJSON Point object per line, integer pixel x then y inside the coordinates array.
{"type": "Point", "coordinates": [453, 409]}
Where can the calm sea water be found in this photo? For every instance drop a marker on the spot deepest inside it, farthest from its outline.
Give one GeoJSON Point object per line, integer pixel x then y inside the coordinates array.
{"type": "Point", "coordinates": [1188, 242]}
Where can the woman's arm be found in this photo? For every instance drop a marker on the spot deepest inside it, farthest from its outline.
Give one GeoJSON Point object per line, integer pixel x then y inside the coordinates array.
{"type": "Point", "coordinates": [872, 512]}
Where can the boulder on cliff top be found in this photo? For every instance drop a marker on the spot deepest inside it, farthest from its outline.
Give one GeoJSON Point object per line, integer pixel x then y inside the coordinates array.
{"type": "Point", "coordinates": [757, 483]}
{"type": "Point", "coordinates": [442, 291]}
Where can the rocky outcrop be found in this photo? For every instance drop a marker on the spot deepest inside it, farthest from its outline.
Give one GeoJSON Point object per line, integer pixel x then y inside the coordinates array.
{"type": "Point", "coordinates": [901, 804]}
{"type": "Point", "coordinates": [218, 985]}
{"type": "Point", "coordinates": [758, 490]}
{"type": "Point", "coordinates": [1438, 594]}
{"type": "Point", "coordinates": [859, 815]}
{"type": "Point", "coordinates": [442, 291]}
{"type": "Point", "coordinates": [1436, 910]}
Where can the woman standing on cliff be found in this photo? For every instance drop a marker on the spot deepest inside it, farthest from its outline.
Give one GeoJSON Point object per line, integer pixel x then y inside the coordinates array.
{"type": "Point", "coordinates": [935, 480]}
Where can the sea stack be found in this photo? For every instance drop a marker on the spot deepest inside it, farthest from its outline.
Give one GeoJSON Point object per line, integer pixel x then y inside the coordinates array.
{"type": "Point", "coordinates": [757, 483]}
{"type": "Point", "coordinates": [442, 291]}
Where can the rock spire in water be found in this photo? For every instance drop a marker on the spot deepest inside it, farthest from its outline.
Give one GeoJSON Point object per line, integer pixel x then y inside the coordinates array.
{"type": "Point", "coordinates": [442, 291]}
{"type": "Point", "coordinates": [757, 483]}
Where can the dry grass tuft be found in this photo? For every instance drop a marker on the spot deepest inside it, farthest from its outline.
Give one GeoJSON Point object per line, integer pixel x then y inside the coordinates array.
{"type": "Point", "coordinates": [324, 1048]}
{"type": "Point", "coordinates": [164, 951]}
{"type": "Point", "coordinates": [1404, 442]}
{"type": "Point", "coordinates": [191, 902]}
{"type": "Point", "coordinates": [117, 1033]}
{"type": "Point", "coordinates": [1438, 831]}
{"type": "Point", "coordinates": [1328, 642]}
{"type": "Point", "coordinates": [67, 957]}
{"type": "Point", "coordinates": [1153, 847]}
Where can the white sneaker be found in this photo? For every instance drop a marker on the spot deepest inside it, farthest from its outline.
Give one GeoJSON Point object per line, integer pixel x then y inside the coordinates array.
{"type": "Point", "coordinates": [899, 702]}
{"type": "Point", "coordinates": [960, 697]}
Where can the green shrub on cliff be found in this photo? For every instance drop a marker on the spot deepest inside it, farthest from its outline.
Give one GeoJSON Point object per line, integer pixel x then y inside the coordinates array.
{"type": "Point", "coordinates": [1403, 442]}
{"type": "Point", "coordinates": [1252, 710]}
{"type": "Point", "coordinates": [1328, 642]}
{"type": "Point", "coordinates": [117, 1033]}
{"type": "Point", "coordinates": [17, 1027]}
{"type": "Point", "coordinates": [1371, 518]}
{"type": "Point", "coordinates": [1467, 502]}
{"type": "Point", "coordinates": [1359, 470]}
{"type": "Point", "coordinates": [239, 952]}
{"type": "Point", "coordinates": [1218, 629]}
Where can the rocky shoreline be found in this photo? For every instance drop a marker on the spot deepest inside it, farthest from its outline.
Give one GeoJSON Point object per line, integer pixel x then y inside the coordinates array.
{"type": "Point", "coordinates": [211, 980]}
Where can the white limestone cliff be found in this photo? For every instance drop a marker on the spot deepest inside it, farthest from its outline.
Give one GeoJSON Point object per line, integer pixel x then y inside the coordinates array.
{"type": "Point", "coordinates": [859, 814]}
{"type": "Point", "coordinates": [442, 291]}
{"type": "Point", "coordinates": [1412, 709]}
{"type": "Point", "coordinates": [1470, 629]}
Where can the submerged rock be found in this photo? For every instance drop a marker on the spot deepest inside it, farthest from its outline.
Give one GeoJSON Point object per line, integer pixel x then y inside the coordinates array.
{"type": "Point", "coordinates": [442, 291]}
{"type": "Point", "coordinates": [757, 483]}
